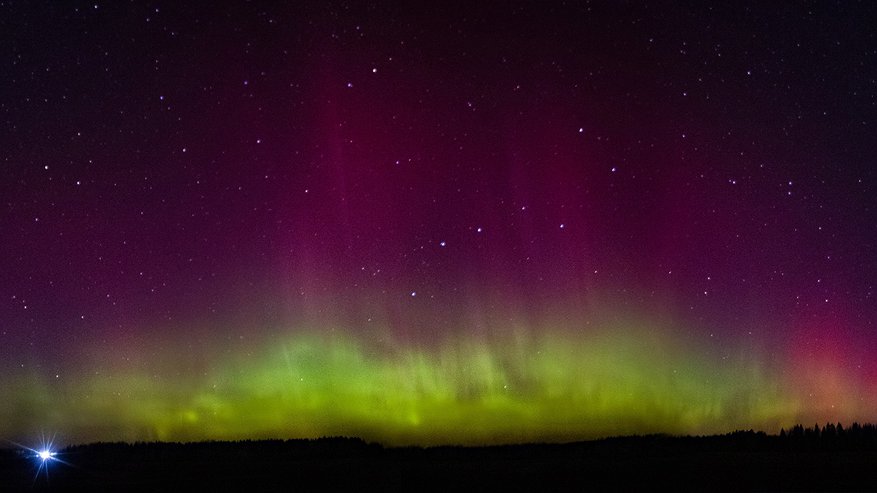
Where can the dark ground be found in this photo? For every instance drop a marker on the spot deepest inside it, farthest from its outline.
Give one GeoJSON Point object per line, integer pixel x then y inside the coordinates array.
{"type": "Point", "coordinates": [742, 461]}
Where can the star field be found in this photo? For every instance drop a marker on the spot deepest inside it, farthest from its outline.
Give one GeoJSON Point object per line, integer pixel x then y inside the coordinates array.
{"type": "Point", "coordinates": [435, 224]}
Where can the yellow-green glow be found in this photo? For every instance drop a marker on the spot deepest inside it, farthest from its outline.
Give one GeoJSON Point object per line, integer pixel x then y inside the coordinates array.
{"type": "Point", "coordinates": [510, 388]}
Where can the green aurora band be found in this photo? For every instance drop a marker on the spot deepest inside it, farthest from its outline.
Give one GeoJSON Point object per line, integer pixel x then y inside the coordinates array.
{"type": "Point", "coordinates": [517, 387]}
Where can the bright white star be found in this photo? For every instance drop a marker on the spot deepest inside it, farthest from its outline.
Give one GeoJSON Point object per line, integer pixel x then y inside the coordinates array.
{"type": "Point", "coordinates": [42, 455]}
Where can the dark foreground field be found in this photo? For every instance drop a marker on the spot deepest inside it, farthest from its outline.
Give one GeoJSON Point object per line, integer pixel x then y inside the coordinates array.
{"type": "Point", "coordinates": [740, 461]}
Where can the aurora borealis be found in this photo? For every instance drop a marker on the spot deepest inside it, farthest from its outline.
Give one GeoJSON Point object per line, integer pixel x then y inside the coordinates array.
{"type": "Point", "coordinates": [473, 224]}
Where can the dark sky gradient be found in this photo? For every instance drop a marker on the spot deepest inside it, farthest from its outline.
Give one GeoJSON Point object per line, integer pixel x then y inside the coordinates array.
{"type": "Point", "coordinates": [464, 223]}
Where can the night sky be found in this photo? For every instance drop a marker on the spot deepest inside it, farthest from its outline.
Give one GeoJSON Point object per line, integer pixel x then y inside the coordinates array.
{"type": "Point", "coordinates": [420, 225]}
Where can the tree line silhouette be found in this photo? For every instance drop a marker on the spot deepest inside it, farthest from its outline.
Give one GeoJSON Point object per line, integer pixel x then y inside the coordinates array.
{"type": "Point", "coordinates": [857, 436]}
{"type": "Point", "coordinates": [826, 457]}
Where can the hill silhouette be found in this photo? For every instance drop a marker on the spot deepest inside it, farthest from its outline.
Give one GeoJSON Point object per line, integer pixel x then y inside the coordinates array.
{"type": "Point", "coordinates": [830, 457]}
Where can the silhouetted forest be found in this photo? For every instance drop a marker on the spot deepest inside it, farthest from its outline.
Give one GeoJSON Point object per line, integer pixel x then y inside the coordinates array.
{"type": "Point", "coordinates": [829, 457]}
